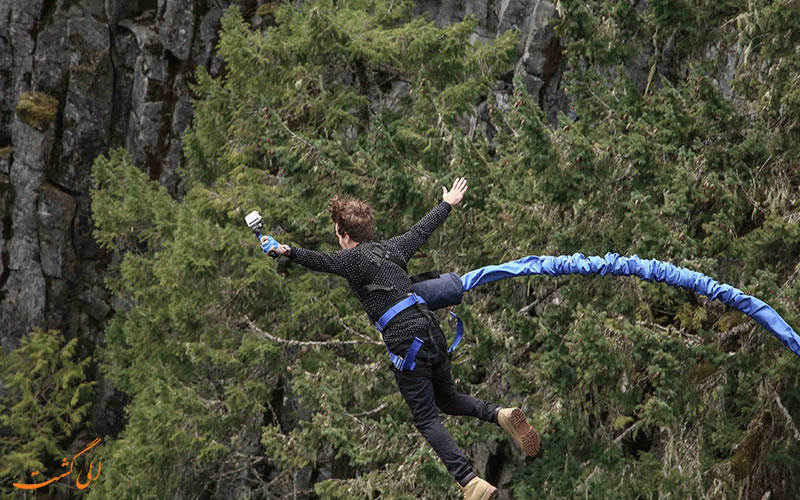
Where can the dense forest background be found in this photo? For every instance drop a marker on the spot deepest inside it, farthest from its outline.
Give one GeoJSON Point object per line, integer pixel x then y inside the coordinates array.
{"type": "Point", "coordinates": [251, 378]}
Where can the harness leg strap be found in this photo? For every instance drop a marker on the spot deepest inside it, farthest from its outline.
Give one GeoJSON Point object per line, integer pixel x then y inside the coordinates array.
{"type": "Point", "coordinates": [459, 332]}
{"type": "Point", "coordinates": [409, 362]}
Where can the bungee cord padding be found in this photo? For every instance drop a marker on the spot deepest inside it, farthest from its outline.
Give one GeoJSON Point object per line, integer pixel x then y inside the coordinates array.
{"type": "Point", "coordinates": [646, 269]}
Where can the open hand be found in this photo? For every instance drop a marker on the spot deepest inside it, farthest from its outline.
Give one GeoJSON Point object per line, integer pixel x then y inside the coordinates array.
{"type": "Point", "coordinates": [456, 192]}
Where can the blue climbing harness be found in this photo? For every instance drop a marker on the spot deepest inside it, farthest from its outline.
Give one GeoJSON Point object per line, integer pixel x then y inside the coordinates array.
{"type": "Point", "coordinates": [409, 362]}
{"type": "Point", "coordinates": [447, 295]}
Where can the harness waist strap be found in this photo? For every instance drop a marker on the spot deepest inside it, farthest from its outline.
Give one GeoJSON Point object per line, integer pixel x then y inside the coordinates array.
{"type": "Point", "coordinates": [401, 305]}
{"type": "Point", "coordinates": [409, 362]}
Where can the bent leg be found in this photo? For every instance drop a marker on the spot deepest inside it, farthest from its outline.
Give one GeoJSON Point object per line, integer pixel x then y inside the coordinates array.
{"type": "Point", "coordinates": [453, 402]}
{"type": "Point", "coordinates": [417, 390]}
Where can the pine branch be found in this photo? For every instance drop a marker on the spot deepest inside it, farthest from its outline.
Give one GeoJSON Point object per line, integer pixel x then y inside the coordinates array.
{"type": "Point", "coordinates": [352, 331]}
{"type": "Point", "coordinates": [263, 334]}
{"type": "Point", "coordinates": [399, 155]}
{"type": "Point", "coordinates": [788, 417]}
{"type": "Point", "coordinates": [369, 412]}
{"type": "Point", "coordinates": [690, 339]}
{"type": "Point", "coordinates": [294, 135]}
{"type": "Point", "coordinates": [627, 431]}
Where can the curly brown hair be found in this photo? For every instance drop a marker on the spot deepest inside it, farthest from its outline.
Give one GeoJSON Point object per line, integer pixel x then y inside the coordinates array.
{"type": "Point", "coordinates": [353, 216]}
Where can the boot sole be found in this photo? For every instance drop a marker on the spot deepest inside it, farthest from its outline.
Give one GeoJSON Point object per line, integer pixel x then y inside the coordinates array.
{"type": "Point", "coordinates": [490, 494]}
{"type": "Point", "coordinates": [528, 436]}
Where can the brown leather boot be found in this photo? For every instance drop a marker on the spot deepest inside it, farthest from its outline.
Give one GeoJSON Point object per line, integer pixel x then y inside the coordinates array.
{"type": "Point", "coordinates": [478, 489]}
{"type": "Point", "coordinates": [513, 421]}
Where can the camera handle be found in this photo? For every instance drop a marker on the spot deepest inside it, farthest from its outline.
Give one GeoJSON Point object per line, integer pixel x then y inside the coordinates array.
{"type": "Point", "coordinates": [254, 222]}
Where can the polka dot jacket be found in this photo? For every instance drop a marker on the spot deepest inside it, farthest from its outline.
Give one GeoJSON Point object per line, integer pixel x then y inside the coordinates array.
{"type": "Point", "coordinates": [353, 263]}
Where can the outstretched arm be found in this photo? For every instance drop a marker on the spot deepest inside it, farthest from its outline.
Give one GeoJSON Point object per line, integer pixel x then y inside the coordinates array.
{"type": "Point", "coordinates": [419, 233]}
{"type": "Point", "coordinates": [335, 263]}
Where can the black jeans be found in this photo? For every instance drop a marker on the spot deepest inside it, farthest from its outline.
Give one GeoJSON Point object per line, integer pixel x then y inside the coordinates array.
{"type": "Point", "coordinates": [428, 386]}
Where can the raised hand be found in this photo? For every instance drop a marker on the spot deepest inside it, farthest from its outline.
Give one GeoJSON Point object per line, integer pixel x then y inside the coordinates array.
{"type": "Point", "coordinates": [456, 192]}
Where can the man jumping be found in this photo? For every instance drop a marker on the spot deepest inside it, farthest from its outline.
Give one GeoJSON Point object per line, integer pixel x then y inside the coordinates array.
{"type": "Point", "coordinates": [376, 273]}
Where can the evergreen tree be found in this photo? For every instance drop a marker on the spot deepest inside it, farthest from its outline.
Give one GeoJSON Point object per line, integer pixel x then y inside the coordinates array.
{"type": "Point", "coordinates": [245, 376]}
{"type": "Point", "coordinates": [359, 98]}
{"type": "Point", "coordinates": [47, 401]}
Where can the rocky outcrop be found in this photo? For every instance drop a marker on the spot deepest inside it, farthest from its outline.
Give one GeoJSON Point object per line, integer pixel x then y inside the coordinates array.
{"type": "Point", "coordinates": [540, 64]}
{"type": "Point", "coordinates": [24, 288]}
{"type": "Point", "coordinates": [77, 78]}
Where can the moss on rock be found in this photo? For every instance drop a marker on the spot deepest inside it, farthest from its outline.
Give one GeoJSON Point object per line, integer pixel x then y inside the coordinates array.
{"type": "Point", "coordinates": [36, 109]}
{"type": "Point", "coordinates": [268, 9]}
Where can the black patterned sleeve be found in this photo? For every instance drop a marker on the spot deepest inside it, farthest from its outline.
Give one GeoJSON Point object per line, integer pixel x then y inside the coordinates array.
{"type": "Point", "coordinates": [419, 233]}
{"type": "Point", "coordinates": [341, 262]}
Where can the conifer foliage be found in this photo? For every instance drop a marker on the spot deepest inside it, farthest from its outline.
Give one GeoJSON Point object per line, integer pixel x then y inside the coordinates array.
{"type": "Point", "coordinates": [243, 375]}
{"type": "Point", "coordinates": [251, 380]}
{"type": "Point", "coordinates": [47, 401]}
